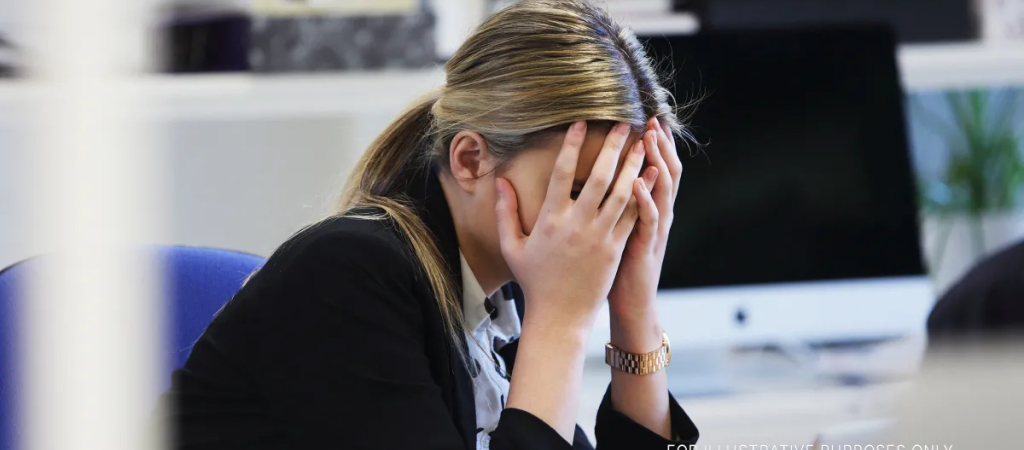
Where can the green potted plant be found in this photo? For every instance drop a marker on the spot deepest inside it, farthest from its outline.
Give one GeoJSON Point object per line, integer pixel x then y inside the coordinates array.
{"type": "Point", "coordinates": [974, 199]}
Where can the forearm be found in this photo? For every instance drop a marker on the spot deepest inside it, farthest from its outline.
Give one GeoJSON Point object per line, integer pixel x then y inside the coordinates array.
{"type": "Point", "coordinates": [549, 372]}
{"type": "Point", "coordinates": [642, 398]}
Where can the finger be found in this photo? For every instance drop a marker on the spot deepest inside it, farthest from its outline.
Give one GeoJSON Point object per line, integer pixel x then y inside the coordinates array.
{"type": "Point", "coordinates": [647, 226]}
{"type": "Point", "coordinates": [510, 230]}
{"type": "Point", "coordinates": [627, 221]}
{"type": "Point", "coordinates": [650, 176]}
{"type": "Point", "coordinates": [604, 170]}
{"type": "Point", "coordinates": [564, 172]}
{"type": "Point", "coordinates": [666, 130]}
{"type": "Point", "coordinates": [613, 206]}
{"type": "Point", "coordinates": [661, 189]}
{"type": "Point", "coordinates": [667, 146]}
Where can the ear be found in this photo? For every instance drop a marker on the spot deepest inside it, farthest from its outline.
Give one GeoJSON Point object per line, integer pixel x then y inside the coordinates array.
{"type": "Point", "coordinates": [468, 158]}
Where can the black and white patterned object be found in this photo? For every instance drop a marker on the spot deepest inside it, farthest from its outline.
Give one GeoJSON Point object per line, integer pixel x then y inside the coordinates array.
{"type": "Point", "coordinates": [327, 43]}
{"type": "Point", "coordinates": [493, 323]}
{"type": "Point", "coordinates": [9, 58]}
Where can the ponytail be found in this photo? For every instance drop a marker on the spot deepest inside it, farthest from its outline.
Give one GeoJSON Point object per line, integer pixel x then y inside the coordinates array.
{"type": "Point", "coordinates": [402, 143]}
{"type": "Point", "coordinates": [376, 182]}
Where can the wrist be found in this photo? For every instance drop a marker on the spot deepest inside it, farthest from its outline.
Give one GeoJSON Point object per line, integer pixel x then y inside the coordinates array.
{"type": "Point", "coordinates": [636, 331]}
{"type": "Point", "coordinates": [633, 298]}
{"type": "Point", "coordinates": [551, 316]}
{"type": "Point", "coordinates": [558, 338]}
{"type": "Point", "coordinates": [636, 310]}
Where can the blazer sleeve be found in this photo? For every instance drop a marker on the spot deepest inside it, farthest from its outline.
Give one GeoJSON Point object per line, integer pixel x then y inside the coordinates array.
{"type": "Point", "coordinates": [616, 431]}
{"type": "Point", "coordinates": [343, 362]}
{"type": "Point", "coordinates": [613, 430]}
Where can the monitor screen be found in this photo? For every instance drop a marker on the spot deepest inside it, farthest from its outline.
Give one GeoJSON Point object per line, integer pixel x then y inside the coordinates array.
{"type": "Point", "coordinates": [804, 173]}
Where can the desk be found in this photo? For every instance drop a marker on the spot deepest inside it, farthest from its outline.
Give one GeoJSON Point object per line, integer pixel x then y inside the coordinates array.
{"type": "Point", "coordinates": [788, 415]}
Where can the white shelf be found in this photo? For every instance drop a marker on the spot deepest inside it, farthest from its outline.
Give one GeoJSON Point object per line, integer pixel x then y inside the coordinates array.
{"type": "Point", "coordinates": [648, 23]}
{"type": "Point", "coordinates": [246, 96]}
{"type": "Point", "coordinates": [942, 66]}
{"type": "Point", "coordinates": [234, 96]}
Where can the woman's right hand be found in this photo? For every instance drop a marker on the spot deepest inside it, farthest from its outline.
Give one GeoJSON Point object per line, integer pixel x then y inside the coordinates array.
{"type": "Point", "coordinates": [567, 264]}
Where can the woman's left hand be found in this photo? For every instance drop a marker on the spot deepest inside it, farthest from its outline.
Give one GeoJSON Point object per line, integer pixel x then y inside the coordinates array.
{"type": "Point", "coordinates": [632, 296]}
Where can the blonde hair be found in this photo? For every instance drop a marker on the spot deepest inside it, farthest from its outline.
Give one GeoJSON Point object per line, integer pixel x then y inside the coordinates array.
{"type": "Point", "coordinates": [535, 66]}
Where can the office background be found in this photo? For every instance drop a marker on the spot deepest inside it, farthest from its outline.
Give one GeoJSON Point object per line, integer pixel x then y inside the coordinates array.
{"type": "Point", "coordinates": [246, 160]}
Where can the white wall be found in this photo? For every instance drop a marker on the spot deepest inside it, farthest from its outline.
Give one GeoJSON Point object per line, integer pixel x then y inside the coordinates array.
{"type": "Point", "coordinates": [250, 185]}
{"type": "Point", "coordinates": [13, 192]}
{"type": "Point", "coordinates": [243, 185]}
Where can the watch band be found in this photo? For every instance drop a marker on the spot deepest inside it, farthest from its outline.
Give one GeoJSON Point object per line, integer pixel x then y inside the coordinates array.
{"type": "Point", "coordinates": [639, 363]}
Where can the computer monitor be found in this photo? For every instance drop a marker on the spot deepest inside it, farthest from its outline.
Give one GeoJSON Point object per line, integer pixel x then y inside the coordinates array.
{"type": "Point", "coordinates": [796, 219]}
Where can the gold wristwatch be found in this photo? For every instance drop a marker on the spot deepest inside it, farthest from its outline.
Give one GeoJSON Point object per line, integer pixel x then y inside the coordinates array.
{"type": "Point", "coordinates": [639, 363]}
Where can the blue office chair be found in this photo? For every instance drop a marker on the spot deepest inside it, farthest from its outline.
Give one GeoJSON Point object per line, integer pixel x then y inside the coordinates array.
{"type": "Point", "coordinates": [198, 281]}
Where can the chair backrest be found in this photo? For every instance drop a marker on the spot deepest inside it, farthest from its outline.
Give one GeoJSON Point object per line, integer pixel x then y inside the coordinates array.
{"type": "Point", "coordinates": [9, 291]}
{"type": "Point", "coordinates": [197, 283]}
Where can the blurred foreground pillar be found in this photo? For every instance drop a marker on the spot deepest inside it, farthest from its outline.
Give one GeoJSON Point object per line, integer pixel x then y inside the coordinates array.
{"type": "Point", "coordinates": [90, 360]}
{"type": "Point", "coordinates": [969, 395]}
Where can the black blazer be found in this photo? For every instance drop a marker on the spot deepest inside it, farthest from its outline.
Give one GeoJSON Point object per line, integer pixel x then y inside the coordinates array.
{"type": "Point", "coordinates": [338, 342]}
{"type": "Point", "coordinates": [986, 303]}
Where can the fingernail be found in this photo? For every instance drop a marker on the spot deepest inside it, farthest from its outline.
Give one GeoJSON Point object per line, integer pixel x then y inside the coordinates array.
{"type": "Point", "coordinates": [643, 184]}
{"type": "Point", "coordinates": [651, 175]}
{"type": "Point", "coordinates": [580, 125]}
{"type": "Point", "coordinates": [622, 128]}
{"type": "Point", "coordinates": [498, 187]}
{"type": "Point", "coordinates": [639, 148]}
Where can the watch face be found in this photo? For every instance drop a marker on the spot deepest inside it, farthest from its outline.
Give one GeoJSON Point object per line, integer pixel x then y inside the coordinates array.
{"type": "Point", "coordinates": [668, 347]}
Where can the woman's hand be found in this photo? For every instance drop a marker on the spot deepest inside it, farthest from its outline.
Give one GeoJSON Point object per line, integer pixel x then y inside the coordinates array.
{"type": "Point", "coordinates": [567, 264]}
{"type": "Point", "coordinates": [631, 299]}
{"type": "Point", "coordinates": [634, 321]}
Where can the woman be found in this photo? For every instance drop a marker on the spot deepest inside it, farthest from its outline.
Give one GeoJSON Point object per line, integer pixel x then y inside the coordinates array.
{"type": "Point", "coordinates": [394, 325]}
